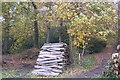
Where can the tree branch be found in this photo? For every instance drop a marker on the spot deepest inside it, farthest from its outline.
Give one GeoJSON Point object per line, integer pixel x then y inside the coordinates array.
{"type": "Point", "coordinates": [35, 7]}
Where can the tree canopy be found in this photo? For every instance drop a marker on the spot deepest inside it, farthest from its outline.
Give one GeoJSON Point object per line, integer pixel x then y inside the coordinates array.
{"type": "Point", "coordinates": [31, 21]}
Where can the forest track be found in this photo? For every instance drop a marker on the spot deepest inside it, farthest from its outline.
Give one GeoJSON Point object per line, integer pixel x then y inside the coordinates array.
{"type": "Point", "coordinates": [100, 66]}
{"type": "Point", "coordinates": [24, 67]}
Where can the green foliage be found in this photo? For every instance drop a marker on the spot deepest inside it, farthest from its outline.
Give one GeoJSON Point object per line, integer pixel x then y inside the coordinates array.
{"type": "Point", "coordinates": [108, 73]}
{"type": "Point", "coordinates": [96, 20]}
{"type": "Point", "coordinates": [88, 62]}
{"type": "Point", "coordinates": [9, 74]}
{"type": "Point", "coordinates": [28, 43]}
{"type": "Point", "coordinates": [53, 35]}
{"type": "Point", "coordinates": [19, 23]}
{"type": "Point", "coordinates": [65, 36]}
{"type": "Point", "coordinates": [80, 21]}
{"type": "Point", "coordinates": [96, 45]}
{"type": "Point", "coordinates": [16, 23]}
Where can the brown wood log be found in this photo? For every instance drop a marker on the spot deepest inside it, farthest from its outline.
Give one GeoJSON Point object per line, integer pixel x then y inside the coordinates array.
{"type": "Point", "coordinates": [116, 65]}
{"type": "Point", "coordinates": [51, 60]}
{"type": "Point", "coordinates": [44, 59]}
{"type": "Point", "coordinates": [50, 66]}
{"type": "Point", "coordinates": [56, 49]}
{"type": "Point", "coordinates": [46, 67]}
{"type": "Point", "coordinates": [114, 55]}
{"type": "Point", "coordinates": [55, 44]}
{"type": "Point", "coordinates": [49, 70]}
{"type": "Point", "coordinates": [45, 73]}
{"type": "Point", "coordinates": [54, 52]}
{"type": "Point", "coordinates": [51, 56]}
{"type": "Point", "coordinates": [52, 63]}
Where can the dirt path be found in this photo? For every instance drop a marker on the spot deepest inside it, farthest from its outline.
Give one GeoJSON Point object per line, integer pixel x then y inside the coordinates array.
{"type": "Point", "coordinates": [19, 65]}
{"type": "Point", "coordinates": [23, 65]}
{"type": "Point", "coordinates": [100, 65]}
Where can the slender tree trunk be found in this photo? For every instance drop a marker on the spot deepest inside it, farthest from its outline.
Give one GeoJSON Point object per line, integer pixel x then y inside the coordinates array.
{"type": "Point", "coordinates": [6, 41]}
{"type": "Point", "coordinates": [36, 31]}
{"type": "Point", "coordinates": [71, 50]}
{"type": "Point", "coordinates": [36, 34]}
{"type": "Point", "coordinates": [83, 51]}
{"type": "Point", "coordinates": [6, 32]}
{"type": "Point", "coordinates": [60, 37]}
{"type": "Point", "coordinates": [118, 23]}
{"type": "Point", "coordinates": [48, 33]}
{"type": "Point", "coordinates": [60, 31]}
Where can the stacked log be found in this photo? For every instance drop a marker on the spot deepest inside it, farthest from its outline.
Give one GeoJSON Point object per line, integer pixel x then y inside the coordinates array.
{"type": "Point", "coordinates": [116, 62]}
{"type": "Point", "coordinates": [51, 59]}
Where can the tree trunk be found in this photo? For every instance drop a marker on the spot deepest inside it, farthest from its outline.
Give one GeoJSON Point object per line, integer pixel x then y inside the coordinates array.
{"type": "Point", "coordinates": [36, 31]}
{"type": "Point", "coordinates": [83, 51]}
{"type": "Point", "coordinates": [60, 31]}
{"type": "Point", "coordinates": [36, 34]}
{"type": "Point", "coordinates": [48, 33]}
{"type": "Point", "coordinates": [6, 40]}
{"type": "Point", "coordinates": [6, 33]}
{"type": "Point", "coordinates": [118, 23]}
{"type": "Point", "coordinates": [84, 47]}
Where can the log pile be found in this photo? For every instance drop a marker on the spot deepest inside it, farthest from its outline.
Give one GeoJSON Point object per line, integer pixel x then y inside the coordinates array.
{"type": "Point", "coordinates": [116, 62]}
{"type": "Point", "coordinates": [51, 59]}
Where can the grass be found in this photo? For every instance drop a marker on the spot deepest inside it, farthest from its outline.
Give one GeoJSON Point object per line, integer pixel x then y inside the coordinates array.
{"type": "Point", "coordinates": [88, 62]}
{"type": "Point", "coordinates": [85, 64]}
{"type": "Point", "coordinates": [9, 74]}
{"type": "Point", "coordinates": [74, 68]}
{"type": "Point", "coordinates": [0, 76]}
{"type": "Point", "coordinates": [16, 73]}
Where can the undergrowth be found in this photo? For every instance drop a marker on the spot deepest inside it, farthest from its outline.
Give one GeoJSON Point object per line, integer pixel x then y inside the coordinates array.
{"type": "Point", "coordinates": [88, 62]}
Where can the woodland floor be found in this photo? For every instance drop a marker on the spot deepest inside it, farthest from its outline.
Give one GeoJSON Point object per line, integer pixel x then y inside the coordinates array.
{"type": "Point", "coordinates": [100, 65]}
{"type": "Point", "coordinates": [22, 64]}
